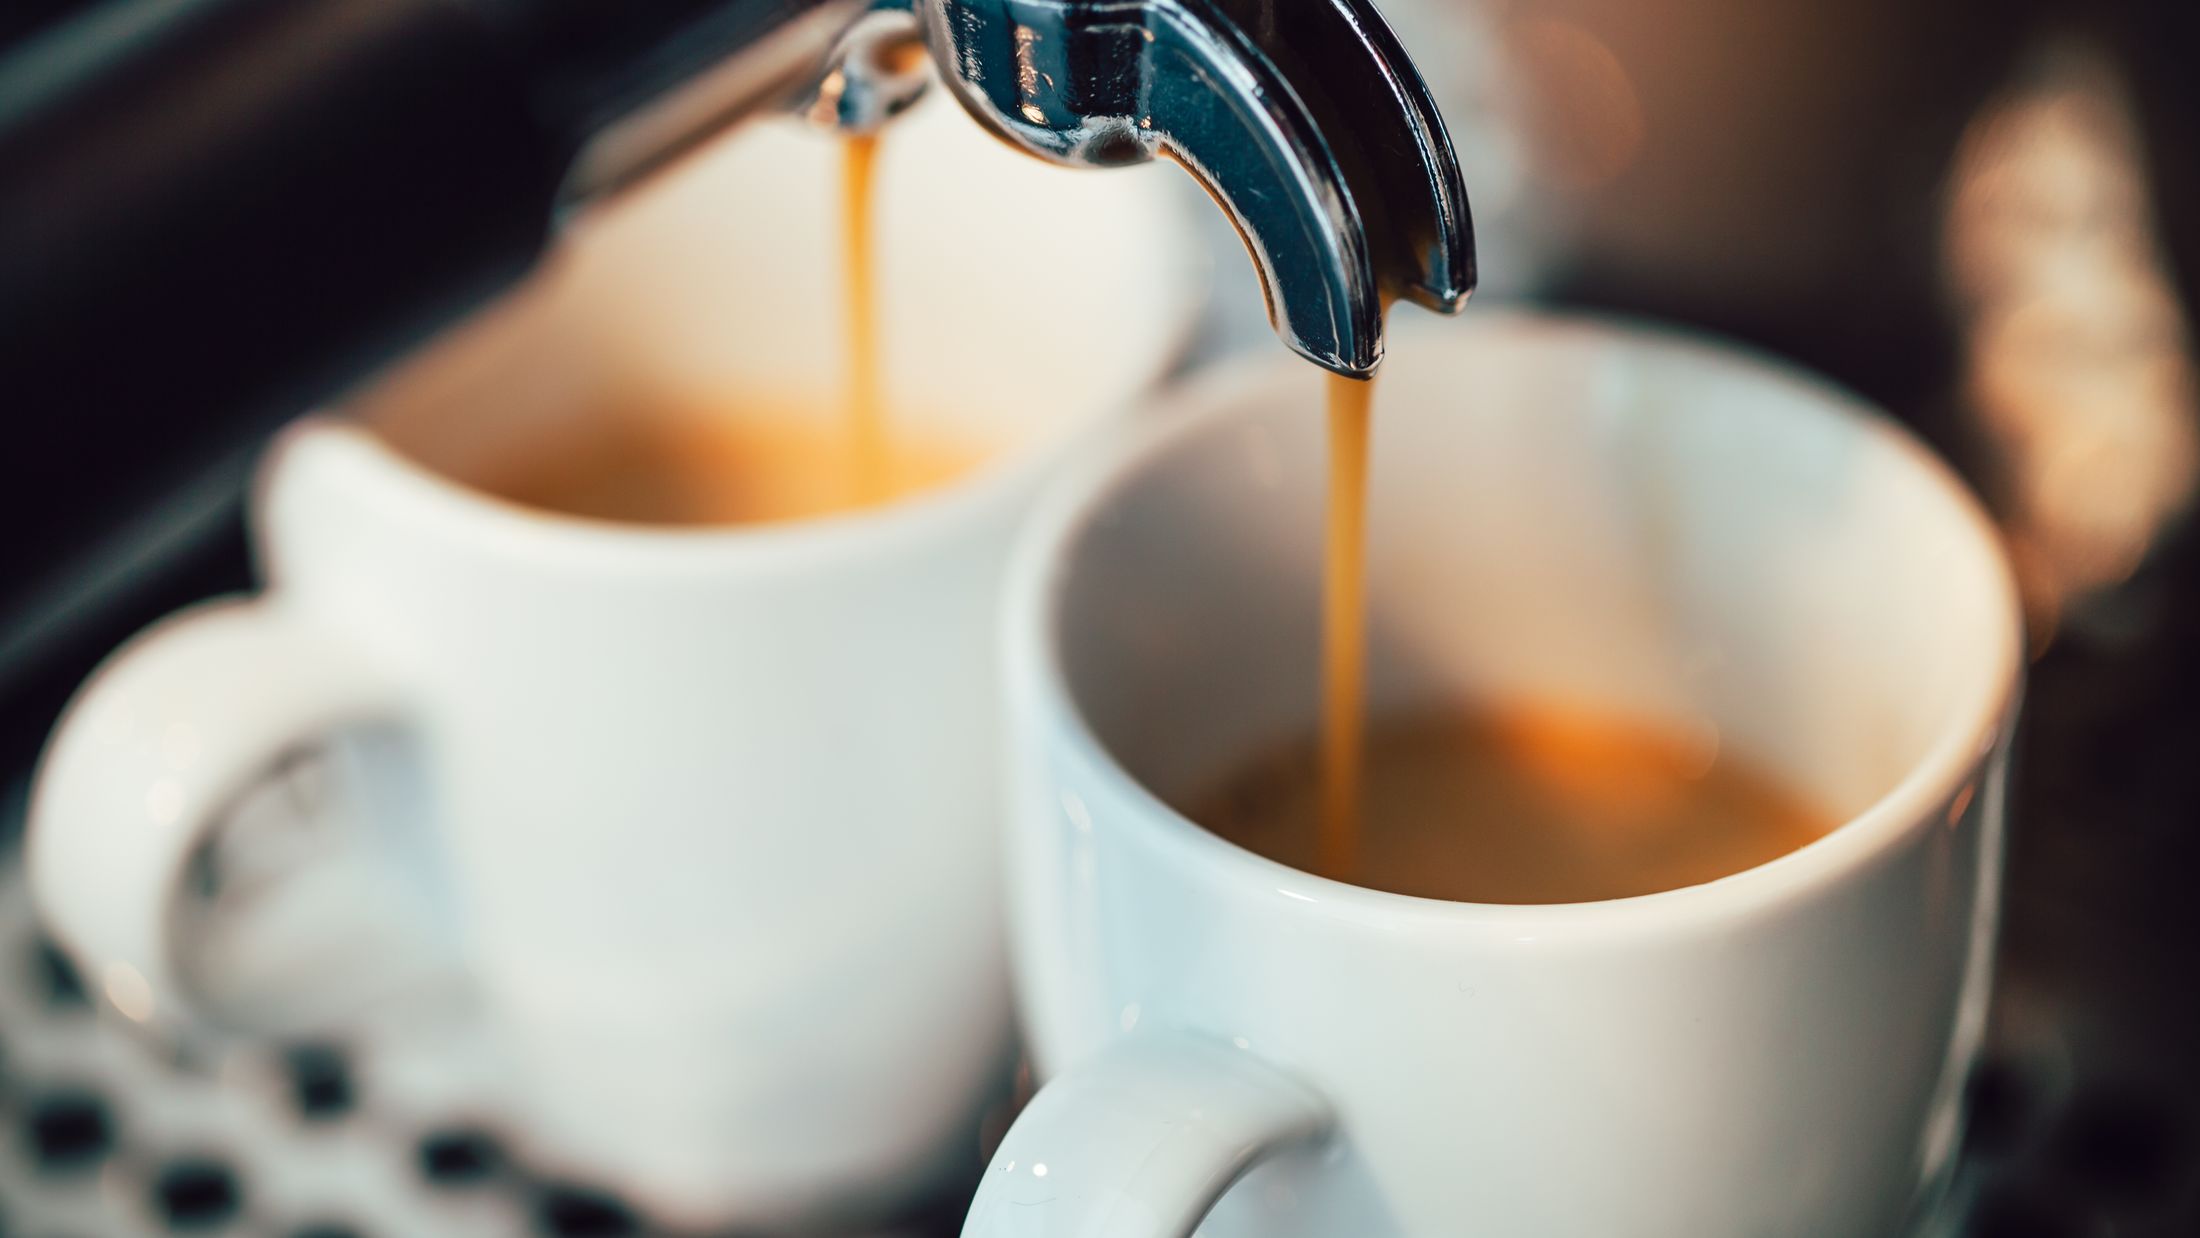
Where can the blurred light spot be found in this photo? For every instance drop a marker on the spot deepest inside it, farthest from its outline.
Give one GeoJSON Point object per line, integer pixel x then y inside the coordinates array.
{"type": "Point", "coordinates": [1039, 1170]}
{"type": "Point", "coordinates": [1027, 75]}
{"type": "Point", "coordinates": [2078, 357]}
{"type": "Point", "coordinates": [1074, 808]}
{"type": "Point", "coordinates": [1962, 803]}
{"type": "Point", "coordinates": [1583, 110]}
{"type": "Point", "coordinates": [1129, 1018]}
{"type": "Point", "coordinates": [1943, 1128]}
{"type": "Point", "coordinates": [128, 992]}
{"type": "Point", "coordinates": [1241, 1042]}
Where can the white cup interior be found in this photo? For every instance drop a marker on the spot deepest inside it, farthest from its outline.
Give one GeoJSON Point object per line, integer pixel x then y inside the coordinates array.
{"type": "Point", "coordinates": [1015, 299]}
{"type": "Point", "coordinates": [1560, 510]}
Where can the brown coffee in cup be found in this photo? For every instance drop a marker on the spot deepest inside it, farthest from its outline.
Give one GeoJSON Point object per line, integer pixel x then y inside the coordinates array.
{"type": "Point", "coordinates": [640, 466]}
{"type": "Point", "coordinates": [644, 460]}
{"type": "Point", "coordinates": [1521, 803]}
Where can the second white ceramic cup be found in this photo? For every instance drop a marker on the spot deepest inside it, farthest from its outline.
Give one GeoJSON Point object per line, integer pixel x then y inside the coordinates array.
{"type": "Point", "coordinates": [1611, 517]}
{"type": "Point", "coordinates": [711, 810]}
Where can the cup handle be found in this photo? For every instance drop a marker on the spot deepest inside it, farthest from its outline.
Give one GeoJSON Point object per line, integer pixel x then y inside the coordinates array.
{"type": "Point", "coordinates": [156, 744]}
{"type": "Point", "coordinates": [1140, 1141]}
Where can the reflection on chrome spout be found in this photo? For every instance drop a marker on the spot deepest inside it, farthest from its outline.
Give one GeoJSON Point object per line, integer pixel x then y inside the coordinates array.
{"type": "Point", "coordinates": [1304, 118]}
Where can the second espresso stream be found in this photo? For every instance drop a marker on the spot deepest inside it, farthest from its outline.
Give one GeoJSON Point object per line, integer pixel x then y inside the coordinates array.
{"type": "Point", "coordinates": [712, 459]}
{"type": "Point", "coordinates": [869, 443]}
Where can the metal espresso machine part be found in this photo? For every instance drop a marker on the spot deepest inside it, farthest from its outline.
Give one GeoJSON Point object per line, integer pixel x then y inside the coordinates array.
{"type": "Point", "coordinates": [214, 212]}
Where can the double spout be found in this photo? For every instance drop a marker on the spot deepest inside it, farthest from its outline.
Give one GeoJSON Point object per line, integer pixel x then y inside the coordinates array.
{"type": "Point", "coordinates": [1303, 118]}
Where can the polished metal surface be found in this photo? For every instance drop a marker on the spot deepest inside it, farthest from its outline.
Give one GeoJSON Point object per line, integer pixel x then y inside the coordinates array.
{"type": "Point", "coordinates": [1304, 119]}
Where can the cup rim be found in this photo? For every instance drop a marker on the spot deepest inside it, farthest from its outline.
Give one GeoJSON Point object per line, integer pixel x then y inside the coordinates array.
{"type": "Point", "coordinates": [1039, 683]}
{"type": "Point", "coordinates": [340, 450]}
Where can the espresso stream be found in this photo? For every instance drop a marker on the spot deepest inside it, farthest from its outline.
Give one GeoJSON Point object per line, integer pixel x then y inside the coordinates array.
{"type": "Point", "coordinates": [868, 447]}
{"type": "Point", "coordinates": [1344, 628]}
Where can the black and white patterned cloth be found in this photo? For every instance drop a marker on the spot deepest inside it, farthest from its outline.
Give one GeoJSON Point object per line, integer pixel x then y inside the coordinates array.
{"type": "Point", "coordinates": [391, 1128]}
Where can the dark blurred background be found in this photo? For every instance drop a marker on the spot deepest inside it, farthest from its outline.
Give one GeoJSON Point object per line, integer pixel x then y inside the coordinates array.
{"type": "Point", "coordinates": [1984, 215]}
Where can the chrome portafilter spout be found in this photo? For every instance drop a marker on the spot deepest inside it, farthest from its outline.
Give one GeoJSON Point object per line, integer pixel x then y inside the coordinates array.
{"type": "Point", "coordinates": [1303, 118]}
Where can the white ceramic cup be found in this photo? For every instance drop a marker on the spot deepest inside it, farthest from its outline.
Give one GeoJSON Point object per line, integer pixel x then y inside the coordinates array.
{"type": "Point", "coordinates": [1608, 515]}
{"type": "Point", "coordinates": [713, 810]}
